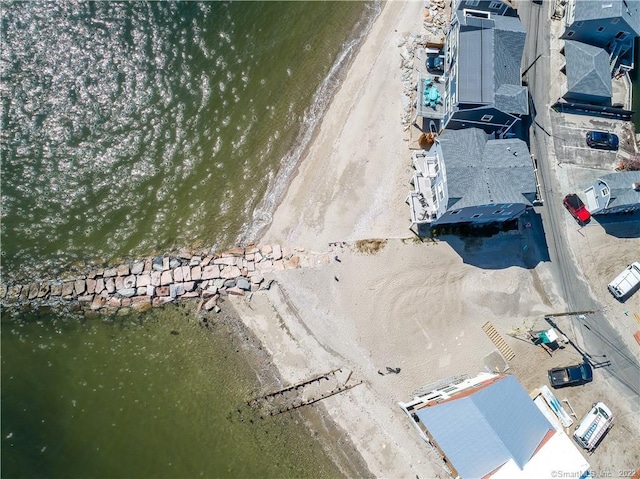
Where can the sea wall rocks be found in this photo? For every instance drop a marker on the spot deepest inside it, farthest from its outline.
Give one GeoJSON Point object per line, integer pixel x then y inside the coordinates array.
{"type": "Point", "coordinates": [162, 279]}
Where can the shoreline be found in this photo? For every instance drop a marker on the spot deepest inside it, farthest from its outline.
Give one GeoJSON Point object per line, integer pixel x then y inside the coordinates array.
{"type": "Point", "coordinates": [406, 314]}
{"type": "Point", "coordinates": [316, 418]}
{"type": "Point", "coordinates": [349, 185]}
{"type": "Point", "coordinates": [338, 185]}
{"type": "Point", "coordinates": [275, 195]}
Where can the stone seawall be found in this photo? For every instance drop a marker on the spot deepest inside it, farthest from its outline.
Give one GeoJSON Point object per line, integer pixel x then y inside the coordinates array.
{"type": "Point", "coordinates": [162, 279]}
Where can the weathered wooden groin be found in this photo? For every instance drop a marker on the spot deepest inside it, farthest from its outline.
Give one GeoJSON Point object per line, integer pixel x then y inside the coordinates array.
{"type": "Point", "coordinates": [159, 280]}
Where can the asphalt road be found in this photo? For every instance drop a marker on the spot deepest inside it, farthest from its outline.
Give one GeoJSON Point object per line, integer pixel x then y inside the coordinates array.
{"type": "Point", "coordinates": [601, 343]}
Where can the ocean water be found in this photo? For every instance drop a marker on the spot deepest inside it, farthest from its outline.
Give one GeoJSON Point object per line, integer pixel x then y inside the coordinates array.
{"type": "Point", "coordinates": [134, 127]}
{"type": "Point", "coordinates": [131, 128]}
{"type": "Point", "coordinates": [144, 396]}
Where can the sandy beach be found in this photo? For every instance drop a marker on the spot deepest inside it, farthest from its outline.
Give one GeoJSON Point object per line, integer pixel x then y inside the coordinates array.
{"type": "Point", "coordinates": [416, 306]}
{"type": "Point", "coordinates": [352, 182]}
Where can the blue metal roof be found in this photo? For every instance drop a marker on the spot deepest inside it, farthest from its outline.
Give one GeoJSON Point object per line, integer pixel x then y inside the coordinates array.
{"type": "Point", "coordinates": [481, 432]}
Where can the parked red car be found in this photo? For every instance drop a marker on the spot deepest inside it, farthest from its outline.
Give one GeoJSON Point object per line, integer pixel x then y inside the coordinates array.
{"type": "Point", "coordinates": [576, 207]}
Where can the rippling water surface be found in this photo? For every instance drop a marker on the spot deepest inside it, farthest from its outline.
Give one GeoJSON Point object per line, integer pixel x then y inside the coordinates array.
{"type": "Point", "coordinates": [130, 128]}
{"type": "Point", "coordinates": [133, 127]}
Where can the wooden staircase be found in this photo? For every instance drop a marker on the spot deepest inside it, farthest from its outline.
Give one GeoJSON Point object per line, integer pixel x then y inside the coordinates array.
{"type": "Point", "coordinates": [499, 341]}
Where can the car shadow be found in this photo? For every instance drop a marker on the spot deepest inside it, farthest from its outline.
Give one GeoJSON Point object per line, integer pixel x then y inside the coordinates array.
{"type": "Point", "coordinates": [620, 225]}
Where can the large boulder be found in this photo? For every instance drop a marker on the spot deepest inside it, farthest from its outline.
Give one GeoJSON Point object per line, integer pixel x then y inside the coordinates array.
{"type": "Point", "coordinates": [34, 288]}
{"type": "Point", "coordinates": [127, 292]}
{"type": "Point", "coordinates": [186, 273]}
{"type": "Point", "coordinates": [209, 305]}
{"type": "Point", "coordinates": [130, 282]}
{"type": "Point", "coordinates": [177, 274]}
{"type": "Point", "coordinates": [137, 267]}
{"type": "Point", "coordinates": [226, 261]}
{"type": "Point", "coordinates": [109, 285]}
{"type": "Point", "coordinates": [110, 272]}
{"type": "Point", "coordinates": [196, 273]}
{"type": "Point", "coordinates": [56, 289]}
{"type": "Point", "coordinates": [230, 272]}
{"type": "Point", "coordinates": [157, 263]}
{"type": "Point", "coordinates": [166, 278]}
{"type": "Point", "coordinates": [243, 284]}
{"type": "Point", "coordinates": [79, 286]}
{"type": "Point", "coordinates": [211, 272]}
{"type": "Point", "coordinates": [156, 278]}
{"type": "Point", "coordinates": [123, 270]}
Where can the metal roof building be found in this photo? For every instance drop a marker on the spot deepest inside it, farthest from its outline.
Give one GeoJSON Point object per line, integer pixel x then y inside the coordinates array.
{"type": "Point", "coordinates": [489, 56]}
{"type": "Point", "coordinates": [481, 431]}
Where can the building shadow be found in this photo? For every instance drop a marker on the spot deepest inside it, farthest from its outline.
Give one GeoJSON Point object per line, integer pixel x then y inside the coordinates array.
{"type": "Point", "coordinates": [620, 225]}
{"type": "Point", "coordinates": [499, 246]}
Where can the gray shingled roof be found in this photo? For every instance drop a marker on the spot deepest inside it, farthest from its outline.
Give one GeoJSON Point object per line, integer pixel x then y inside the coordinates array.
{"type": "Point", "coordinates": [481, 432]}
{"type": "Point", "coordinates": [510, 37]}
{"type": "Point", "coordinates": [512, 99]}
{"type": "Point", "coordinates": [629, 10]}
{"type": "Point", "coordinates": [489, 58]}
{"type": "Point", "coordinates": [588, 69]}
{"type": "Point", "coordinates": [620, 187]}
{"type": "Point", "coordinates": [482, 171]}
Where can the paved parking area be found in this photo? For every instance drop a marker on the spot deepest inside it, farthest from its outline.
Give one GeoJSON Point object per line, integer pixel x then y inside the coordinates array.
{"type": "Point", "coordinates": [569, 140]}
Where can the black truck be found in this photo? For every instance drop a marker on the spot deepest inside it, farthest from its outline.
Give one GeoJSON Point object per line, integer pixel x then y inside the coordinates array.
{"type": "Point", "coordinates": [570, 375]}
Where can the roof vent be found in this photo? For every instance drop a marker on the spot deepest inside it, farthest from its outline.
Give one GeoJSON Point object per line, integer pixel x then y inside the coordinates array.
{"type": "Point", "coordinates": [636, 186]}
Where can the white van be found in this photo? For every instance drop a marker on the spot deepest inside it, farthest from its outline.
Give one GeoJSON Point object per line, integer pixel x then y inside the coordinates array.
{"type": "Point", "coordinates": [593, 426]}
{"type": "Point", "coordinates": [626, 282]}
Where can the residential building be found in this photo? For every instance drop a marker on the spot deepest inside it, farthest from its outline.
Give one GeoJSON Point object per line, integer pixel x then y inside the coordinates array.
{"type": "Point", "coordinates": [468, 178]}
{"type": "Point", "coordinates": [609, 24]}
{"type": "Point", "coordinates": [587, 74]}
{"type": "Point", "coordinates": [488, 426]}
{"type": "Point", "coordinates": [481, 83]}
{"type": "Point", "coordinates": [614, 193]}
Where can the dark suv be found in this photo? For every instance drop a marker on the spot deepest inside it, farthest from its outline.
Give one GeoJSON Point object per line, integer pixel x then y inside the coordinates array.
{"type": "Point", "coordinates": [602, 140]}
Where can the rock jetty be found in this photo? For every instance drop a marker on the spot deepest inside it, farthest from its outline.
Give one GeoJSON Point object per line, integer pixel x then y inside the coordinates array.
{"type": "Point", "coordinates": [163, 279]}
